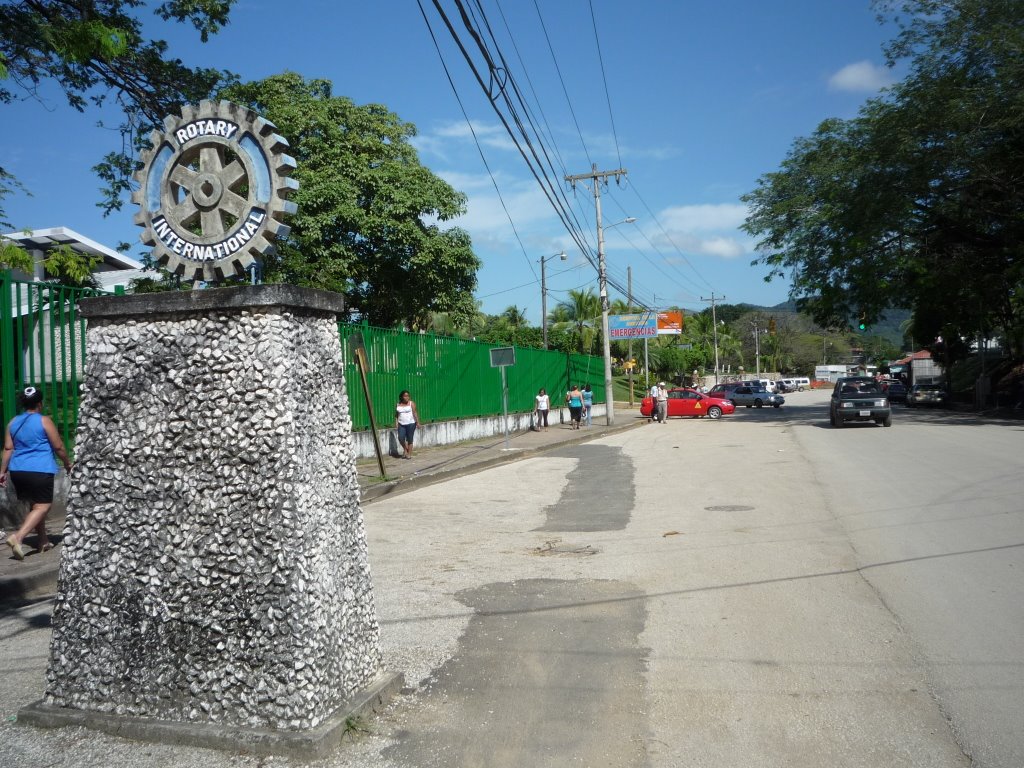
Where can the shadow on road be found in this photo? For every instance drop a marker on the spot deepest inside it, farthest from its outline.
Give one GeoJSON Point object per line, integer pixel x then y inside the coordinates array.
{"type": "Point", "coordinates": [816, 415]}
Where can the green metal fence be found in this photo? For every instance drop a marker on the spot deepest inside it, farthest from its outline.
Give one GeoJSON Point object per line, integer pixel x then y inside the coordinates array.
{"type": "Point", "coordinates": [42, 343]}
{"type": "Point", "coordinates": [452, 378]}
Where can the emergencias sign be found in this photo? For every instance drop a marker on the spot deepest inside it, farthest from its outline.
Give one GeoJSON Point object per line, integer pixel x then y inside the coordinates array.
{"type": "Point", "coordinates": [637, 326]}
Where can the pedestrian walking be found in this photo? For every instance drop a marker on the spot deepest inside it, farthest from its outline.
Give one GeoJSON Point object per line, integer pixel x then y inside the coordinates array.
{"type": "Point", "coordinates": [30, 441]}
{"type": "Point", "coordinates": [654, 403]}
{"type": "Point", "coordinates": [588, 405]}
{"type": "Point", "coordinates": [662, 402]}
{"type": "Point", "coordinates": [574, 397]}
{"type": "Point", "coordinates": [543, 406]}
{"type": "Point", "coordinates": [406, 418]}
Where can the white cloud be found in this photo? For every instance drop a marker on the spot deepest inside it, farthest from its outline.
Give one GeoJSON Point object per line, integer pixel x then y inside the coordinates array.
{"type": "Point", "coordinates": [491, 135]}
{"type": "Point", "coordinates": [861, 77]}
{"type": "Point", "coordinates": [703, 230]}
{"type": "Point", "coordinates": [704, 218]}
{"type": "Point", "coordinates": [725, 247]}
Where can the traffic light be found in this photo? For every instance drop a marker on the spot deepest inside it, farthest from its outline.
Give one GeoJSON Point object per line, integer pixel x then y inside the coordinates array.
{"type": "Point", "coordinates": [863, 324]}
{"type": "Point", "coordinates": [771, 325]}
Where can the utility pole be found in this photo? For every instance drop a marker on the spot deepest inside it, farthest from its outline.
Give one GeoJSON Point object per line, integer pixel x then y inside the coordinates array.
{"type": "Point", "coordinates": [757, 347]}
{"type": "Point", "coordinates": [596, 177]}
{"type": "Point", "coordinates": [544, 294]}
{"type": "Point", "coordinates": [714, 325]}
{"type": "Point", "coordinates": [629, 344]}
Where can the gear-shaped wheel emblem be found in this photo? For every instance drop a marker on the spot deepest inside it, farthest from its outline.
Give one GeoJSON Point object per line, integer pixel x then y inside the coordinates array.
{"type": "Point", "coordinates": [213, 191]}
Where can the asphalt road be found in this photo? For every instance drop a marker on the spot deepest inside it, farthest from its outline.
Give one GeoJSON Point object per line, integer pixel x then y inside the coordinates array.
{"type": "Point", "coordinates": [810, 597]}
{"type": "Point", "coordinates": [762, 590]}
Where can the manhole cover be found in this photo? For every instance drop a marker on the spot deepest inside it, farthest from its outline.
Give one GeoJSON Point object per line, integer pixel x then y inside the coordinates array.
{"type": "Point", "coordinates": [729, 508]}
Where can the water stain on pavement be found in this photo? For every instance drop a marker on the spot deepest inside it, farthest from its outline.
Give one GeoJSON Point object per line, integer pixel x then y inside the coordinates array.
{"type": "Point", "coordinates": [548, 673]}
{"type": "Point", "coordinates": [599, 493]}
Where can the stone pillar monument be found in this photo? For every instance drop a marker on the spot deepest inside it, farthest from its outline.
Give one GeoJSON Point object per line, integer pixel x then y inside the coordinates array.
{"type": "Point", "coordinates": [214, 587]}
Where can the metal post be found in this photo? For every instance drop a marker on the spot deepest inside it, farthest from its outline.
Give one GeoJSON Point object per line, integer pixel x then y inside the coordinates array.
{"type": "Point", "coordinates": [714, 326]}
{"type": "Point", "coordinates": [629, 309]}
{"type": "Point", "coordinates": [647, 366]}
{"type": "Point", "coordinates": [544, 303]}
{"type": "Point", "coordinates": [504, 403]}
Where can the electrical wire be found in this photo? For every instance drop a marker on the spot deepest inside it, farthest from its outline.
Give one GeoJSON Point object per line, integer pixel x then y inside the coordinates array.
{"type": "Point", "coordinates": [476, 140]}
{"type": "Point", "coordinates": [604, 78]}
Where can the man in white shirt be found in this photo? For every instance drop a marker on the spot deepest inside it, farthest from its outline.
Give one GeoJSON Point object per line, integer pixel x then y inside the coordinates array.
{"type": "Point", "coordinates": [662, 402]}
{"type": "Point", "coordinates": [654, 402]}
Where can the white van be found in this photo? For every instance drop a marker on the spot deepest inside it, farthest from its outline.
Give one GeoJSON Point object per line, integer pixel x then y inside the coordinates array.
{"type": "Point", "coordinates": [796, 384]}
{"type": "Point", "coordinates": [768, 384]}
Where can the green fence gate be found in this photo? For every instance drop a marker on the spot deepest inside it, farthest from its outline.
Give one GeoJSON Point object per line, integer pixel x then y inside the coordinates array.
{"type": "Point", "coordinates": [42, 344]}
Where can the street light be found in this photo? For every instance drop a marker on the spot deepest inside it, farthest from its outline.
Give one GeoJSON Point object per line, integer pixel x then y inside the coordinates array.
{"type": "Point", "coordinates": [544, 294]}
{"type": "Point", "coordinates": [602, 282]}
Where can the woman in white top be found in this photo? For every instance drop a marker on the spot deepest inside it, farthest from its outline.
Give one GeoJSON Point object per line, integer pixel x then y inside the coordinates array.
{"type": "Point", "coordinates": [405, 421]}
{"type": "Point", "coordinates": [543, 406]}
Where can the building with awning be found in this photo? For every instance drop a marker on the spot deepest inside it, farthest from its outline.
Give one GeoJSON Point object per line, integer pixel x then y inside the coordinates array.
{"type": "Point", "coordinates": [114, 269]}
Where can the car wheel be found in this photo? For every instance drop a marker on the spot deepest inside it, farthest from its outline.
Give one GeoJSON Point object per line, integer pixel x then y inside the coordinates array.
{"type": "Point", "coordinates": [714, 412]}
{"type": "Point", "coordinates": [887, 421]}
{"type": "Point", "coordinates": [758, 403]}
{"type": "Point", "coordinates": [831, 417]}
{"type": "Point", "coordinates": [749, 405]}
{"type": "Point", "coordinates": [776, 405]}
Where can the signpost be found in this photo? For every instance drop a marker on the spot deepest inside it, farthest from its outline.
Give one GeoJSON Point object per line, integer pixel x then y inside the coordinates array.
{"type": "Point", "coordinates": [502, 357]}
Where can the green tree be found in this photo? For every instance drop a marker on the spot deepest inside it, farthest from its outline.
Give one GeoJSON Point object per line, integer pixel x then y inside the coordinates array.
{"type": "Point", "coordinates": [917, 201]}
{"type": "Point", "coordinates": [581, 313]}
{"type": "Point", "coordinates": [365, 204]}
{"type": "Point", "coordinates": [95, 49]}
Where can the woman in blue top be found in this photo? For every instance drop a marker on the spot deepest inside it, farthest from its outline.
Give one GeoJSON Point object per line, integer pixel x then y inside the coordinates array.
{"type": "Point", "coordinates": [575, 400]}
{"type": "Point", "coordinates": [29, 445]}
{"type": "Point", "coordinates": [588, 405]}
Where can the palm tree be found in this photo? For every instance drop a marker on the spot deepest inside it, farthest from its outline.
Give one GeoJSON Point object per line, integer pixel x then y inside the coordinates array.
{"type": "Point", "coordinates": [514, 316]}
{"type": "Point", "coordinates": [582, 312]}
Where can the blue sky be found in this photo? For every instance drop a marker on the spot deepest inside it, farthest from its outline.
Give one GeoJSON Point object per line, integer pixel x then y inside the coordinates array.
{"type": "Point", "coordinates": [705, 98]}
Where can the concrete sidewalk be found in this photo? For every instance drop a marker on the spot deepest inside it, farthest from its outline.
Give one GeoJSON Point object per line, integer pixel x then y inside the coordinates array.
{"type": "Point", "coordinates": [36, 575]}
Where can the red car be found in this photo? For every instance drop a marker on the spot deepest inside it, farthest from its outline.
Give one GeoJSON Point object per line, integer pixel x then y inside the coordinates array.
{"type": "Point", "coordinates": [690, 402]}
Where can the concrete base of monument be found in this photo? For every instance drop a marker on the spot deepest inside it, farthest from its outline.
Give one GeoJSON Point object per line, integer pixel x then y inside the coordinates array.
{"type": "Point", "coordinates": [307, 744]}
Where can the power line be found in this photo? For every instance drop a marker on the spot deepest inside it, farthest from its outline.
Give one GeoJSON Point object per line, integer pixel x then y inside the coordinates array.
{"type": "Point", "coordinates": [668, 236]}
{"type": "Point", "coordinates": [604, 78]}
{"type": "Point", "coordinates": [476, 140]}
{"type": "Point", "coordinates": [561, 80]}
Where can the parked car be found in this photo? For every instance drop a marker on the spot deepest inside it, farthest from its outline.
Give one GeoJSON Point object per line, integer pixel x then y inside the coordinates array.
{"type": "Point", "coordinates": [859, 398]}
{"type": "Point", "coordinates": [724, 390]}
{"type": "Point", "coordinates": [755, 397]}
{"type": "Point", "coordinates": [896, 392]}
{"type": "Point", "coordinates": [689, 402]}
{"type": "Point", "coordinates": [926, 394]}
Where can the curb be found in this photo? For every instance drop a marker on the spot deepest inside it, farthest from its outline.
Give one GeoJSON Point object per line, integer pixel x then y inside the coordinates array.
{"type": "Point", "coordinates": [414, 482]}
{"type": "Point", "coordinates": [35, 583]}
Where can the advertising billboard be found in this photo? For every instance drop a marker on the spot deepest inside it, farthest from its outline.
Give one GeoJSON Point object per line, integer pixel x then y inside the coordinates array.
{"type": "Point", "coordinates": [670, 323]}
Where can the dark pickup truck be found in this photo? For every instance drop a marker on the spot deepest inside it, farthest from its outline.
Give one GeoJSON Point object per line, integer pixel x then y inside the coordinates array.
{"type": "Point", "coordinates": [859, 398]}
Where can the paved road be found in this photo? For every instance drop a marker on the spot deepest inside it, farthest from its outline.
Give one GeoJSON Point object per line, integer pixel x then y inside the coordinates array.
{"type": "Point", "coordinates": [757, 591]}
